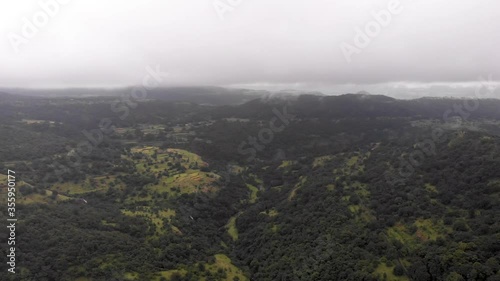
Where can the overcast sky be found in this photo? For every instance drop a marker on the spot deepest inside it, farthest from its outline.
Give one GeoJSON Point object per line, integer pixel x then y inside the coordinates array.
{"type": "Point", "coordinates": [271, 44]}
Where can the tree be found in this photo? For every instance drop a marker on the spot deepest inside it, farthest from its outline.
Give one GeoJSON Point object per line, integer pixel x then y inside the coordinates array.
{"type": "Point", "coordinates": [399, 270]}
{"type": "Point", "coordinates": [54, 194]}
{"type": "Point", "coordinates": [453, 276]}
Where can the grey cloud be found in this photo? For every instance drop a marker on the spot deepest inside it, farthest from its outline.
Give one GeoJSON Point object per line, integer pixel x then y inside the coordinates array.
{"type": "Point", "coordinates": [275, 43]}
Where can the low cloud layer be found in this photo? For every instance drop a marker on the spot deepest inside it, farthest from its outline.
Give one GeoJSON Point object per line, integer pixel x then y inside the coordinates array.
{"type": "Point", "coordinates": [287, 44]}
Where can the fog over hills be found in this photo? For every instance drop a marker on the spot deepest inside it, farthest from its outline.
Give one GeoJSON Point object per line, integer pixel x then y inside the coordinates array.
{"type": "Point", "coordinates": [212, 95]}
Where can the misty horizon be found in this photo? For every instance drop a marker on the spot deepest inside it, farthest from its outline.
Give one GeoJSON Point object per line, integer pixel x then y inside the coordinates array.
{"type": "Point", "coordinates": [463, 90]}
{"type": "Point", "coordinates": [397, 48]}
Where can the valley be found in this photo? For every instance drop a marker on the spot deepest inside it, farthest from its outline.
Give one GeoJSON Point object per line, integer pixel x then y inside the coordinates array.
{"type": "Point", "coordinates": [168, 195]}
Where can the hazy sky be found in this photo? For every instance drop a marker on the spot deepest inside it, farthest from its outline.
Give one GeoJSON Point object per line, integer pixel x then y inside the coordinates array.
{"type": "Point", "coordinates": [276, 44]}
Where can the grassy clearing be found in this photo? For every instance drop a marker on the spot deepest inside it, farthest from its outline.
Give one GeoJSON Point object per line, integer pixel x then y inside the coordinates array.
{"type": "Point", "coordinates": [39, 196]}
{"type": "Point", "coordinates": [233, 119]}
{"type": "Point", "coordinates": [270, 213]}
{"type": "Point", "coordinates": [384, 270]}
{"type": "Point", "coordinates": [131, 276]}
{"type": "Point", "coordinates": [90, 184]}
{"type": "Point", "coordinates": [400, 233]}
{"type": "Point", "coordinates": [321, 161]}
{"type": "Point", "coordinates": [354, 208]}
{"type": "Point", "coordinates": [105, 222]}
{"type": "Point", "coordinates": [157, 218]}
{"type": "Point", "coordinates": [256, 178]}
{"type": "Point", "coordinates": [224, 262]}
{"type": "Point", "coordinates": [235, 169]}
{"type": "Point", "coordinates": [366, 215]}
{"type": "Point", "coordinates": [178, 171]}
{"type": "Point", "coordinates": [301, 182]}
{"type": "Point", "coordinates": [354, 165]}
{"type": "Point", "coordinates": [360, 189]}
{"type": "Point", "coordinates": [36, 197]}
{"type": "Point", "coordinates": [431, 188]}
{"type": "Point", "coordinates": [352, 161]}
{"type": "Point", "coordinates": [362, 213]}
{"type": "Point", "coordinates": [188, 155]}
{"type": "Point", "coordinates": [169, 273]}
{"type": "Point", "coordinates": [231, 228]}
{"type": "Point", "coordinates": [495, 183]}
{"type": "Point", "coordinates": [273, 213]}
{"type": "Point", "coordinates": [426, 230]}
{"type": "Point", "coordinates": [286, 163]}
{"type": "Point", "coordinates": [34, 121]}
{"type": "Point", "coordinates": [274, 228]}
{"type": "Point", "coordinates": [429, 230]}
{"type": "Point", "coordinates": [70, 187]}
{"type": "Point", "coordinates": [253, 193]}
{"type": "Point", "coordinates": [456, 140]}
{"type": "Point", "coordinates": [3, 189]}
{"type": "Point", "coordinates": [59, 197]}
{"type": "Point", "coordinates": [152, 129]}
{"type": "Point", "coordinates": [185, 183]}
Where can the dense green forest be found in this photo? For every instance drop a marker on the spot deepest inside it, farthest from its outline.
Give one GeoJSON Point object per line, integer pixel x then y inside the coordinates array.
{"type": "Point", "coordinates": [350, 187]}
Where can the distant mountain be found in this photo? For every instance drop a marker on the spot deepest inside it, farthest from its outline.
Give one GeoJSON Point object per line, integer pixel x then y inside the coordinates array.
{"type": "Point", "coordinates": [206, 95]}
{"type": "Point", "coordinates": [5, 96]}
{"type": "Point", "coordinates": [364, 106]}
{"type": "Point", "coordinates": [70, 92]}
{"type": "Point", "coordinates": [9, 98]}
{"type": "Point", "coordinates": [306, 104]}
{"type": "Point", "coordinates": [199, 95]}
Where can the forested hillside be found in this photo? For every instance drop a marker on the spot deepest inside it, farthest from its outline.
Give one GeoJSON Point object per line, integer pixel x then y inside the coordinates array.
{"type": "Point", "coordinates": [351, 187]}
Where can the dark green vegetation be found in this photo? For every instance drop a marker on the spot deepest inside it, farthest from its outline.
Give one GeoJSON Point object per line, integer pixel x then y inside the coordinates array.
{"type": "Point", "coordinates": [169, 197]}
